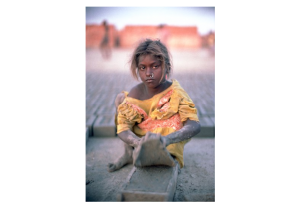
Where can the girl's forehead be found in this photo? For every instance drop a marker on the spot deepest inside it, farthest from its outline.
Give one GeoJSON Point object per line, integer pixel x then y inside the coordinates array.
{"type": "Point", "coordinates": [147, 57]}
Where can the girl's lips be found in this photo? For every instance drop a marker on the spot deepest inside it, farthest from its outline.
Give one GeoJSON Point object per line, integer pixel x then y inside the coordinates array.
{"type": "Point", "coordinates": [149, 80]}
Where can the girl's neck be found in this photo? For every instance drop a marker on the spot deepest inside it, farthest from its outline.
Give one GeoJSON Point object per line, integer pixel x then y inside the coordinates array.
{"type": "Point", "coordinates": [150, 92]}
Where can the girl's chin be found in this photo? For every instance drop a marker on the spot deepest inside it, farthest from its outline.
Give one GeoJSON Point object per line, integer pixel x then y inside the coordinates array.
{"type": "Point", "coordinates": [151, 83]}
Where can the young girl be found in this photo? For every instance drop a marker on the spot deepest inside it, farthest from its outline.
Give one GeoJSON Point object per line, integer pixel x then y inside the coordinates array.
{"type": "Point", "coordinates": [156, 105]}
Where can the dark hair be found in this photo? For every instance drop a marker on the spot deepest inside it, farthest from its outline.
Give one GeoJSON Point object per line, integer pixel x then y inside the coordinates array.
{"type": "Point", "coordinates": [151, 47]}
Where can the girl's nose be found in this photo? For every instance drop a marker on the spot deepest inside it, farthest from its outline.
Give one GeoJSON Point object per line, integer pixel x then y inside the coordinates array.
{"type": "Point", "coordinates": [148, 71]}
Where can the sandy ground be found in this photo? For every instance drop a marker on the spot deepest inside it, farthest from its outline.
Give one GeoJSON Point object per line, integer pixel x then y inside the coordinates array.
{"type": "Point", "coordinates": [195, 182]}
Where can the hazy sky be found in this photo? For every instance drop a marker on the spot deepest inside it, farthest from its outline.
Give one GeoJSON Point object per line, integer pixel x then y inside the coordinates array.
{"type": "Point", "coordinates": [202, 17]}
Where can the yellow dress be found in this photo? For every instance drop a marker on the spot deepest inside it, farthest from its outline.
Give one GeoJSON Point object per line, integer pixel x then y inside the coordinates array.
{"type": "Point", "coordinates": [164, 113]}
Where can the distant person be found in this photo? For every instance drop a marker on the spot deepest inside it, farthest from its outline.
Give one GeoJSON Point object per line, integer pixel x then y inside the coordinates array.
{"type": "Point", "coordinates": [117, 40]}
{"type": "Point", "coordinates": [104, 45]}
{"type": "Point", "coordinates": [211, 43]}
{"type": "Point", "coordinates": [163, 34]}
{"type": "Point", "coordinates": [157, 109]}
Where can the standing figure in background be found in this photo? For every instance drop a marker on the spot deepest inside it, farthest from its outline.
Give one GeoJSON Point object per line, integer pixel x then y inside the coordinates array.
{"type": "Point", "coordinates": [104, 45]}
{"type": "Point", "coordinates": [163, 34]}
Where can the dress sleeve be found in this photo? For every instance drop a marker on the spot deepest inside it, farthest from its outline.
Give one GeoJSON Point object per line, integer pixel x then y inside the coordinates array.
{"type": "Point", "coordinates": [187, 109]}
{"type": "Point", "coordinates": [127, 117]}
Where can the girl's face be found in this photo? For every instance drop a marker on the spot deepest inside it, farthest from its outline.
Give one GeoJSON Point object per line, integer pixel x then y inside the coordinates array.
{"type": "Point", "coordinates": [150, 71]}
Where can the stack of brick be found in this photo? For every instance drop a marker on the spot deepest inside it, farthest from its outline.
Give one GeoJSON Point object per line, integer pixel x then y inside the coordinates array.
{"type": "Point", "coordinates": [130, 36]}
{"type": "Point", "coordinates": [95, 34]}
{"type": "Point", "coordinates": [172, 36]}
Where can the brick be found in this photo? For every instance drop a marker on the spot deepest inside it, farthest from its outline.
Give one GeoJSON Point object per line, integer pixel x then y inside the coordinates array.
{"type": "Point", "coordinates": [201, 110]}
{"type": "Point", "coordinates": [200, 197]}
{"type": "Point", "coordinates": [106, 110]}
{"type": "Point", "coordinates": [90, 110]}
{"type": "Point", "coordinates": [213, 119]}
{"type": "Point", "coordinates": [100, 110]}
{"type": "Point", "coordinates": [104, 126]}
{"type": "Point", "coordinates": [87, 134]}
{"type": "Point", "coordinates": [95, 34]}
{"type": "Point", "coordinates": [90, 119]}
{"type": "Point", "coordinates": [153, 183]}
{"type": "Point", "coordinates": [207, 127]}
{"type": "Point", "coordinates": [209, 109]}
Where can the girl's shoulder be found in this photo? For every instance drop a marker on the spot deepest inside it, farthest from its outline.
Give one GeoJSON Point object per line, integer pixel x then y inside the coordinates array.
{"type": "Point", "coordinates": [136, 92]}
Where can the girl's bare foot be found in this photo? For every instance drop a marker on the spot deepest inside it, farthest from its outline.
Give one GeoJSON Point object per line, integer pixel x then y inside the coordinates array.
{"type": "Point", "coordinates": [123, 160]}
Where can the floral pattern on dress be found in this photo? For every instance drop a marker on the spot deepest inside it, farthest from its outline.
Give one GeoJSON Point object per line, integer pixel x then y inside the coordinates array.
{"type": "Point", "coordinates": [138, 109]}
{"type": "Point", "coordinates": [172, 122]}
{"type": "Point", "coordinates": [164, 104]}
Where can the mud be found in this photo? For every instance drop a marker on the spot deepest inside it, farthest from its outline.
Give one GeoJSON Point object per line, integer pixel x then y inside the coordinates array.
{"type": "Point", "coordinates": [195, 181]}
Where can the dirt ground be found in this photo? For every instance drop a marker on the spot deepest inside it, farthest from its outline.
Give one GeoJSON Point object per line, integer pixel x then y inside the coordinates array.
{"type": "Point", "coordinates": [195, 182]}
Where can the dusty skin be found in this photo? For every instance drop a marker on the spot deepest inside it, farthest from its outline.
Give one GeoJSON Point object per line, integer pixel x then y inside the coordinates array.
{"type": "Point", "coordinates": [150, 151]}
{"type": "Point", "coordinates": [123, 160]}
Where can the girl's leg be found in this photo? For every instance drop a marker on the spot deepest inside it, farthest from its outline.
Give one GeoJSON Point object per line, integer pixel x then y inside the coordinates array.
{"type": "Point", "coordinates": [127, 156]}
{"type": "Point", "coordinates": [123, 160]}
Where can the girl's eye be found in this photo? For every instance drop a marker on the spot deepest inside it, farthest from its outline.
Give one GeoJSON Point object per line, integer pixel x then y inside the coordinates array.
{"type": "Point", "coordinates": [142, 68]}
{"type": "Point", "coordinates": [154, 67]}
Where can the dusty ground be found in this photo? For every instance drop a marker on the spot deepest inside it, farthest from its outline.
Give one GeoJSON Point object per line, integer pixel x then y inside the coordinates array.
{"type": "Point", "coordinates": [196, 181]}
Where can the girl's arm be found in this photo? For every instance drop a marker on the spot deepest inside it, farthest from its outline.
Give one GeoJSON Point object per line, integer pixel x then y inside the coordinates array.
{"type": "Point", "coordinates": [190, 128]}
{"type": "Point", "coordinates": [129, 138]}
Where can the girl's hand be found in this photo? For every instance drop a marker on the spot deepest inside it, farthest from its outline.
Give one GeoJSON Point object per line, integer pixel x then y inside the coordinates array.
{"type": "Point", "coordinates": [136, 142]}
{"type": "Point", "coordinates": [149, 135]}
{"type": "Point", "coordinates": [164, 140]}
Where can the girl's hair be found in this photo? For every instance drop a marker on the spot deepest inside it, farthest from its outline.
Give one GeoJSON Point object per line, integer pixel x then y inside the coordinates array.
{"type": "Point", "coordinates": [155, 48]}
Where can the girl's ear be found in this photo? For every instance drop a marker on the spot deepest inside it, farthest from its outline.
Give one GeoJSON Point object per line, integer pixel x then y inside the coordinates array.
{"type": "Point", "coordinates": [167, 72]}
